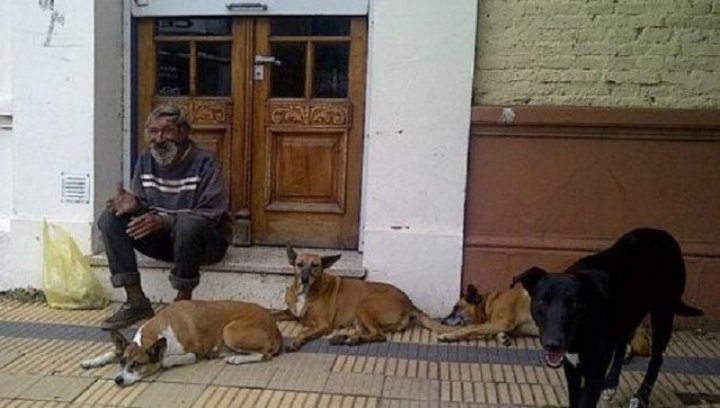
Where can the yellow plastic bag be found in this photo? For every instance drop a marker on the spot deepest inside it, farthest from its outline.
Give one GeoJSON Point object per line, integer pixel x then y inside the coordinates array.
{"type": "Point", "coordinates": [69, 282]}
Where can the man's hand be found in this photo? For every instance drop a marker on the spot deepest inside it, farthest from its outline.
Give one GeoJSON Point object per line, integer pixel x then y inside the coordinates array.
{"type": "Point", "coordinates": [123, 202]}
{"type": "Point", "coordinates": [145, 225]}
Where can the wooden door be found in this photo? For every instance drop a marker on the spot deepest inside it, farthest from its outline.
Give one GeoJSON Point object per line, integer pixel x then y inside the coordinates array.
{"type": "Point", "coordinates": [203, 65]}
{"type": "Point", "coordinates": [307, 140]}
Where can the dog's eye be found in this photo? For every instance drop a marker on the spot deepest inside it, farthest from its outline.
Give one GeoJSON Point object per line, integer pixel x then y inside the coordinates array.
{"type": "Point", "coordinates": [314, 264]}
{"type": "Point", "coordinates": [300, 264]}
{"type": "Point", "coordinates": [123, 360]}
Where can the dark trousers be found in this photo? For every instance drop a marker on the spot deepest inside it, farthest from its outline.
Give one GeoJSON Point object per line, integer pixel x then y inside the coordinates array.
{"type": "Point", "coordinates": [192, 241]}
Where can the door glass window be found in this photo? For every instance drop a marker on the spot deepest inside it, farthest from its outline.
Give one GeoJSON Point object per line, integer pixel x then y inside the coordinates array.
{"type": "Point", "coordinates": [310, 26]}
{"type": "Point", "coordinates": [313, 55]}
{"type": "Point", "coordinates": [288, 78]}
{"type": "Point", "coordinates": [330, 76]}
{"type": "Point", "coordinates": [194, 56]}
{"type": "Point", "coordinates": [213, 62]}
{"type": "Point", "coordinates": [192, 26]}
{"type": "Point", "coordinates": [173, 69]}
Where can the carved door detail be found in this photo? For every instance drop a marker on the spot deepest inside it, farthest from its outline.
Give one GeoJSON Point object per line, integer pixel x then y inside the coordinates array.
{"type": "Point", "coordinates": [307, 141]}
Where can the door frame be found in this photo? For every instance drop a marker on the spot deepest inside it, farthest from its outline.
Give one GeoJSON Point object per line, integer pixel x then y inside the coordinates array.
{"type": "Point", "coordinates": [241, 169]}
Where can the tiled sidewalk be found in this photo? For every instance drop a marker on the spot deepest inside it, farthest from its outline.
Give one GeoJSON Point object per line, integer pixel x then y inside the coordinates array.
{"type": "Point", "coordinates": [41, 348]}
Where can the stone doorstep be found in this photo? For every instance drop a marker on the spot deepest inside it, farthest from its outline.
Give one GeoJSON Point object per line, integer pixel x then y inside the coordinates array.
{"type": "Point", "coordinates": [258, 259]}
{"type": "Point", "coordinates": [258, 274]}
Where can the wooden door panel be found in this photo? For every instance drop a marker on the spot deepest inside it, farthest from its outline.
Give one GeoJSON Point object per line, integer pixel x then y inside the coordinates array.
{"type": "Point", "coordinates": [307, 171]}
{"type": "Point", "coordinates": [307, 145]}
{"type": "Point", "coordinates": [203, 65]}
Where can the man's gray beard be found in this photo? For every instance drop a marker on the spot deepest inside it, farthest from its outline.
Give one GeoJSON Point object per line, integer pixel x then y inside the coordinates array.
{"type": "Point", "coordinates": [164, 153]}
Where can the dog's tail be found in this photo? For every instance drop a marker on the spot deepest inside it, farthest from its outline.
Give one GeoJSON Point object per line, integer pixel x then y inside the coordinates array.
{"type": "Point", "coordinates": [430, 323]}
{"type": "Point", "coordinates": [684, 309]}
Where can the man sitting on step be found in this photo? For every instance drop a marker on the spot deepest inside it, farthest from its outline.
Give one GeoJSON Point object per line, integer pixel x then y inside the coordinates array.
{"type": "Point", "coordinates": [175, 211]}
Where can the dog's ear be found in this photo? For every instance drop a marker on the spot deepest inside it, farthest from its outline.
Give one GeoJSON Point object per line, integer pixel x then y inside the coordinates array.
{"type": "Point", "coordinates": [328, 261]}
{"type": "Point", "coordinates": [291, 254]}
{"type": "Point", "coordinates": [530, 278]}
{"type": "Point", "coordinates": [119, 341]}
{"type": "Point", "coordinates": [472, 295]}
{"type": "Point", "coordinates": [157, 350]}
{"type": "Point", "coordinates": [597, 281]}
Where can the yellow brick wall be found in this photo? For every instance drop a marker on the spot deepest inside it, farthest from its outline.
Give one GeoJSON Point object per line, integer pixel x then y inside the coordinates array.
{"type": "Point", "coordinates": [626, 53]}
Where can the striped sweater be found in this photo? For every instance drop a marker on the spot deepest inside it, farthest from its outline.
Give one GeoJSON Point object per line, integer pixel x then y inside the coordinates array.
{"type": "Point", "coordinates": [193, 185]}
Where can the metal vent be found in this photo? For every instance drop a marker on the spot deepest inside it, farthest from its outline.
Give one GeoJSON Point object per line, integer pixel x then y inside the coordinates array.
{"type": "Point", "coordinates": [75, 188]}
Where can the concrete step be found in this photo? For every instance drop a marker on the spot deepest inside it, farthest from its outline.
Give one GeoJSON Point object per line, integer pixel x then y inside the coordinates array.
{"type": "Point", "coordinates": [257, 274]}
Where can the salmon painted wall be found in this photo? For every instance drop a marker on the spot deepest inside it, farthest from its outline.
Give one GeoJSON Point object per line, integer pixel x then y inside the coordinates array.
{"type": "Point", "coordinates": [549, 185]}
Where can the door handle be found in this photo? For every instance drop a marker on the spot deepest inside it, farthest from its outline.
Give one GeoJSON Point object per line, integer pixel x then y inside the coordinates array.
{"type": "Point", "coordinates": [267, 59]}
{"type": "Point", "coordinates": [245, 6]}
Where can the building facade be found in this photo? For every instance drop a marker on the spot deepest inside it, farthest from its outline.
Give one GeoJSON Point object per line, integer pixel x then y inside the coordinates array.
{"type": "Point", "coordinates": [455, 144]}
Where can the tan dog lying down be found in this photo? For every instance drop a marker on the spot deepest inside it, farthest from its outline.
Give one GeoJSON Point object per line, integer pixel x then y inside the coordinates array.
{"type": "Point", "coordinates": [500, 313]}
{"type": "Point", "coordinates": [323, 302]}
{"type": "Point", "coordinates": [494, 314]}
{"type": "Point", "coordinates": [187, 331]}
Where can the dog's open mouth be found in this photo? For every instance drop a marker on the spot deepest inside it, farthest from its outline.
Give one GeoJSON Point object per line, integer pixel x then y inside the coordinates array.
{"type": "Point", "coordinates": [554, 358]}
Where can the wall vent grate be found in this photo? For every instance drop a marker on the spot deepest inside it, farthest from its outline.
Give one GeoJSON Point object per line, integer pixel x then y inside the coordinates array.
{"type": "Point", "coordinates": [75, 188]}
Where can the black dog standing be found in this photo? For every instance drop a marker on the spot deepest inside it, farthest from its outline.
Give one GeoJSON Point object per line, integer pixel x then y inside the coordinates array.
{"type": "Point", "coordinates": [588, 314]}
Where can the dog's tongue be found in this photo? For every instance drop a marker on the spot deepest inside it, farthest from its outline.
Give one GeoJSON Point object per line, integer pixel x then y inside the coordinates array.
{"type": "Point", "coordinates": [554, 358]}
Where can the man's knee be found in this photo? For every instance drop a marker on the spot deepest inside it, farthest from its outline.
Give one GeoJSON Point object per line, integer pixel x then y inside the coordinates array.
{"type": "Point", "coordinates": [190, 227]}
{"type": "Point", "coordinates": [109, 223]}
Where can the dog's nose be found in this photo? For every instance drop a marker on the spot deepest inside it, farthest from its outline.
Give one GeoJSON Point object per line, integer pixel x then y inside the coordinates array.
{"type": "Point", "coordinates": [119, 380]}
{"type": "Point", "coordinates": [552, 345]}
{"type": "Point", "coordinates": [304, 279]}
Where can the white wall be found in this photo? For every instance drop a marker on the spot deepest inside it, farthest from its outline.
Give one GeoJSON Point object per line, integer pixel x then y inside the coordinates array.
{"type": "Point", "coordinates": [420, 68]}
{"type": "Point", "coordinates": [5, 119]}
{"type": "Point", "coordinates": [55, 116]}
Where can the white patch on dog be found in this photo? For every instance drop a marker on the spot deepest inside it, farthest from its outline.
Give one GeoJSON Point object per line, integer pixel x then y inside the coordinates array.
{"type": "Point", "coordinates": [608, 394]}
{"type": "Point", "coordinates": [98, 361]}
{"type": "Point", "coordinates": [178, 360]}
{"type": "Point", "coordinates": [572, 358]}
{"type": "Point", "coordinates": [137, 339]}
{"type": "Point", "coordinates": [300, 305]}
{"type": "Point", "coordinates": [244, 358]}
{"type": "Point", "coordinates": [634, 403]}
{"type": "Point", "coordinates": [174, 348]}
{"type": "Point", "coordinates": [128, 377]}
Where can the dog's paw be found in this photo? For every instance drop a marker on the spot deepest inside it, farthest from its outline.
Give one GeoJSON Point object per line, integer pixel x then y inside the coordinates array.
{"type": "Point", "coordinates": [338, 340]}
{"type": "Point", "coordinates": [635, 403]}
{"type": "Point", "coordinates": [608, 394]}
{"type": "Point", "coordinates": [504, 339]}
{"type": "Point", "coordinates": [294, 346]}
{"type": "Point", "coordinates": [86, 364]}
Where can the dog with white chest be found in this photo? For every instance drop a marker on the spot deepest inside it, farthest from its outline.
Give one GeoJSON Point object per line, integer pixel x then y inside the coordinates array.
{"type": "Point", "coordinates": [187, 331]}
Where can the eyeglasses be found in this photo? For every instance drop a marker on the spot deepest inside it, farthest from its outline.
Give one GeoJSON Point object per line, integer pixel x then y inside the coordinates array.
{"type": "Point", "coordinates": [169, 131]}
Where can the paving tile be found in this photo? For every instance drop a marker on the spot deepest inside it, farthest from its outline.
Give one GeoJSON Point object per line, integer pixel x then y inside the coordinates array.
{"type": "Point", "coordinates": [411, 388]}
{"type": "Point", "coordinates": [305, 360]}
{"type": "Point", "coordinates": [57, 388]}
{"type": "Point", "coordinates": [247, 375]}
{"type": "Point", "coordinates": [203, 372]}
{"type": "Point", "coordinates": [7, 357]}
{"type": "Point", "coordinates": [157, 395]}
{"type": "Point", "coordinates": [355, 384]}
{"type": "Point", "coordinates": [11, 385]}
{"type": "Point", "coordinates": [106, 392]}
{"type": "Point", "coordinates": [299, 379]}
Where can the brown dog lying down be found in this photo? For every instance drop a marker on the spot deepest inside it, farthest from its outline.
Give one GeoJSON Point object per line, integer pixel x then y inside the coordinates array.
{"type": "Point", "coordinates": [501, 313]}
{"type": "Point", "coordinates": [190, 330]}
{"type": "Point", "coordinates": [496, 313]}
{"type": "Point", "coordinates": [324, 302]}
